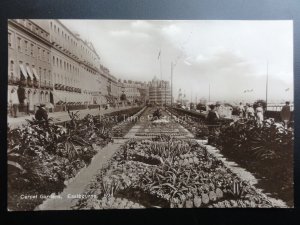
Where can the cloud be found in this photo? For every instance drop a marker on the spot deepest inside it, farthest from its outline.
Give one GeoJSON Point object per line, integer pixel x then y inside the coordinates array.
{"type": "Point", "coordinates": [230, 55]}
{"type": "Point", "coordinates": [128, 34]}
{"type": "Point", "coordinates": [141, 25]}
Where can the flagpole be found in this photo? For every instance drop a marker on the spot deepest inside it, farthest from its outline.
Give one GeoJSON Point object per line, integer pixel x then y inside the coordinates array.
{"type": "Point", "coordinates": [267, 83]}
{"type": "Point", "coordinates": [171, 84]}
{"type": "Point", "coordinates": [209, 93]}
{"type": "Point", "coordinates": [165, 94]}
{"type": "Point", "coordinates": [160, 66]}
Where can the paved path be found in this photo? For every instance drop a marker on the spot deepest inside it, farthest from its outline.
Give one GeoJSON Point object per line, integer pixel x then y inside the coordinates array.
{"type": "Point", "coordinates": [78, 184]}
{"type": "Point", "coordinates": [61, 116]}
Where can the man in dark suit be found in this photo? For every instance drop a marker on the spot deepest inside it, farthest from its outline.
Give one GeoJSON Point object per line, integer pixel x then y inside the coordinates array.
{"type": "Point", "coordinates": [41, 114]}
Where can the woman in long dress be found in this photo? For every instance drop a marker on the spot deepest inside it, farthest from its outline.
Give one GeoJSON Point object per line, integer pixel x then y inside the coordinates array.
{"type": "Point", "coordinates": [259, 114]}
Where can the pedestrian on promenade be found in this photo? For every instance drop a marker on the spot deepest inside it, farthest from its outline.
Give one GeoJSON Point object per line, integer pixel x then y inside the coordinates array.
{"type": "Point", "coordinates": [14, 102]}
{"type": "Point", "coordinates": [41, 114]}
{"type": "Point", "coordinates": [212, 123]}
{"type": "Point", "coordinates": [286, 114]}
{"type": "Point", "coordinates": [241, 110]}
{"type": "Point", "coordinates": [26, 106]}
{"type": "Point", "coordinates": [259, 113]}
{"type": "Point", "coordinates": [30, 103]}
{"type": "Point", "coordinates": [250, 112]}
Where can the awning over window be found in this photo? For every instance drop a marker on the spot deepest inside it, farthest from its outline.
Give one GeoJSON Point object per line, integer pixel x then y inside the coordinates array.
{"type": "Point", "coordinates": [23, 71]}
{"type": "Point", "coordinates": [35, 74]}
{"type": "Point", "coordinates": [29, 72]}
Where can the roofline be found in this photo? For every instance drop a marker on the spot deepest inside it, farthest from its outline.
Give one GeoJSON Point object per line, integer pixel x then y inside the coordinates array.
{"type": "Point", "coordinates": [76, 37]}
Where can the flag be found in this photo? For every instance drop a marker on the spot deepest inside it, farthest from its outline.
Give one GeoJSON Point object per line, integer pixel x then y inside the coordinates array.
{"type": "Point", "coordinates": [159, 54]}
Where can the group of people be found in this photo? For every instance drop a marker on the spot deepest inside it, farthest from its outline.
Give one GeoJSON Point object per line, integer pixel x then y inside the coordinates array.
{"type": "Point", "coordinates": [247, 112]}
{"type": "Point", "coordinates": [17, 97]}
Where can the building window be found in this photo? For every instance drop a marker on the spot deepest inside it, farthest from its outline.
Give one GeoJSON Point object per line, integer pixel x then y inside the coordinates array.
{"type": "Point", "coordinates": [26, 46]}
{"type": "Point", "coordinates": [53, 61]}
{"type": "Point", "coordinates": [12, 69]}
{"type": "Point", "coordinates": [43, 56]}
{"type": "Point", "coordinates": [31, 50]}
{"type": "Point", "coordinates": [48, 57]}
{"type": "Point", "coordinates": [45, 76]}
{"type": "Point", "coordinates": [30, 26]}
{"type": "Point", "coordinates": [39, 53]}
{"type": "Point", "coordinates": [9, 40]}
{"type": "Point", "coordinates": [40, 73]}
{"type": "Point", "coordinates": [19, 44]}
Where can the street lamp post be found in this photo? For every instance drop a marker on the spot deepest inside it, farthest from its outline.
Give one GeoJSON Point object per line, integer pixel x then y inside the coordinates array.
{"type": "Point", "coordinates": [172, 65]}
{"type": "Point", "coordinates": [267, 83]}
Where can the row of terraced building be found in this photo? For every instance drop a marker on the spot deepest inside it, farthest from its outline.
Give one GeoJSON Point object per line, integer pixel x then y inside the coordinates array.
{"type": "Point", "coordinates": [49, 64]}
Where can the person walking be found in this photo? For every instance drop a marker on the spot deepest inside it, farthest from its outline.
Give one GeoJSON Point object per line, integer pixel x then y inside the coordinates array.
{"type": "Point", "coordinates": [14, 102]}
{"type": "Point", "coordinates": [26, 106]}
{"type": "Point", "coordinates": [250, 112]}
{"type": "Point", "coordinates": [30, 103]}
{"type": "Point", "coordinates": [212, 123]}
{"type": "Point", "coordinates": [259, 113]}
{"type": "Point", "coordinates": [286, 114]}
{"type": "Point", "coordinates": [41, 114]}
{"type": "Point", "coordinates": [241, 110]}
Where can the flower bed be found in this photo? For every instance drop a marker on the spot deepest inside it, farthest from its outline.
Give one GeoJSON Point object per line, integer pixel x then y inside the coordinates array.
{"type": "Point", "coordinates": [185, 175]}
{"type": "Point", "coordinates": [266, 151]}
{"type": "Point", "coordinates": [42, 157]}
{"type": "Point", "coordinates": [163, 125]}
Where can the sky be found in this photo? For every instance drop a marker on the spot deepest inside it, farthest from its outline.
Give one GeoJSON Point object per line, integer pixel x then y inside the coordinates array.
{"type": "Point", "coordinates": [229, 56]}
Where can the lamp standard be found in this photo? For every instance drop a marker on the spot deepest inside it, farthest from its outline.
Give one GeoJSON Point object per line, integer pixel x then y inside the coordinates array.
{"type": "Point", "coordinates": [172, 67]}
{"type": "Point", "coordinates": [267, 83]}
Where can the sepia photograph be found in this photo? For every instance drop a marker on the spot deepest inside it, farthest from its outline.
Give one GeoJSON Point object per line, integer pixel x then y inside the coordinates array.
{"type": "Point", "coordinates": [137, 114]}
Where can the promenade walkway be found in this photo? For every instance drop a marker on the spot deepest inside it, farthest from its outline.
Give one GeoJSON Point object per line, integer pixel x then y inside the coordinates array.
{"type": "Point", "coordinates": [59, 117]}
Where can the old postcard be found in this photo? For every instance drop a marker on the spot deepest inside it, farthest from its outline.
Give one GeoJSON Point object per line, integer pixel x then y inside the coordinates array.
{"type": "Point", "coordinates": [126, 114]}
